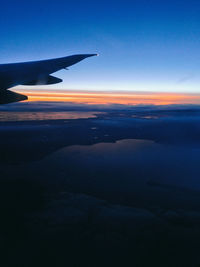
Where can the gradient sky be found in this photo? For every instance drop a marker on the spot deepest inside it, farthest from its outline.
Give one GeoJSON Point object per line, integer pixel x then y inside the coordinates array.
{"type": "Point", "coordinates": [143, 45]}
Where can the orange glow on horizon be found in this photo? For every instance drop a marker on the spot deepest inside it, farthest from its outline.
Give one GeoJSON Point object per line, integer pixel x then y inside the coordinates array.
{"type": "Point", "coordinates": [106, 98]}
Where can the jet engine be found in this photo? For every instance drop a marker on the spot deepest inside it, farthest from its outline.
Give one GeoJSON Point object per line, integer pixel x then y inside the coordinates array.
{"type": "Point", "coordinates": [44, 80]}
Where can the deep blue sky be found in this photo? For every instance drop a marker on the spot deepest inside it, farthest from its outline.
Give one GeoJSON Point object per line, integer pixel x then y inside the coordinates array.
{"type": "Point", "coordinates": [143, 45]}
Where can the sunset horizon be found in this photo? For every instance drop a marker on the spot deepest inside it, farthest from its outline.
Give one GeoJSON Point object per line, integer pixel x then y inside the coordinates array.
{"type": "Point", "coordinates": [123, 97]}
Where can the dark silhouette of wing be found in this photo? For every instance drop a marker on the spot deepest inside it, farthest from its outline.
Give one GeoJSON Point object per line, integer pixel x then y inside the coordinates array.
{"type": "Point", "coordinates": [7, 96]}
{"type": "Point", "coordinates": [32, 73]}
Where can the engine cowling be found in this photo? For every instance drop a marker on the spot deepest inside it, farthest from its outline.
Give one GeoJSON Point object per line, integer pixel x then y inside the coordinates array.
{"type": "Point", "coordinates": [45, 80]}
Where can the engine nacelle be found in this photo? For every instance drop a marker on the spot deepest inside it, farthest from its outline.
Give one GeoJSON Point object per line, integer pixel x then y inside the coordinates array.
{"type": "Point", "coordinates": [44, 81]}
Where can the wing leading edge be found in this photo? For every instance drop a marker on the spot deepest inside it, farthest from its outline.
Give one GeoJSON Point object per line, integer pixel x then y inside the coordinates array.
{"type": "Point", "coordinates": [32, 73]}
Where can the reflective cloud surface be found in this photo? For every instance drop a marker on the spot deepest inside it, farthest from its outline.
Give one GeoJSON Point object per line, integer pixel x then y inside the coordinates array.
{"type": "Point", "coordinates": [93, 185]}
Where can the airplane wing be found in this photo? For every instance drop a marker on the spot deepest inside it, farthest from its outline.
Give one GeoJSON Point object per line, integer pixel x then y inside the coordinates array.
{"type": "Point", "coordinates": [32, 73]}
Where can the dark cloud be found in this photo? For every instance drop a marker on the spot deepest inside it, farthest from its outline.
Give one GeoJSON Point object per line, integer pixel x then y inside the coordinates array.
{"type": "Point", "coordinates": [122, 187]}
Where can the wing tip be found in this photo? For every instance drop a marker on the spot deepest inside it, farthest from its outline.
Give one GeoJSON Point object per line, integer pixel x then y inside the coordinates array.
{"type": "Point", "coordinates": [91, 55]}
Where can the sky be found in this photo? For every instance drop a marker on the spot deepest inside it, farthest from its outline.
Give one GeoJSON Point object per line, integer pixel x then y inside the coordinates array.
{"type": "Point", "coordinates": [142, 45]}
